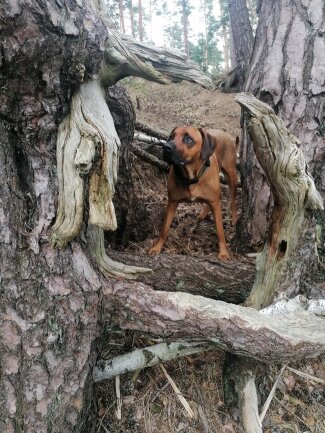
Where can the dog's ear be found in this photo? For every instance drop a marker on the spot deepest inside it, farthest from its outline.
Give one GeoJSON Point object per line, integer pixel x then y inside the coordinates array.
{"type": "Point", "coordinates": [208, 145]}
{"type": "Point", "coordinates": [170, 135]}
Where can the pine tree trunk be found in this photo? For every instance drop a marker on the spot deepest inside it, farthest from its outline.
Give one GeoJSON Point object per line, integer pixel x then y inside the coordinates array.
{"type": "Point", "coordinates": [185, 28]}
{"type": "Point", "coordinates": [287, 72]}
{"type": "Point", "coordinates": [140, 20]}
{"type": "Point", "coordinates": [225, 40]}
{"type": "Point", "coordinates": [242, 39]}
{"type": "Point", "coordinates": [132, 18]}
{"type": "Point", "coordinates": [49, 303]}
{"type": "Point", "coordinates": [120, 5]}
{"type": "Point", "coordinates": [52, 55]}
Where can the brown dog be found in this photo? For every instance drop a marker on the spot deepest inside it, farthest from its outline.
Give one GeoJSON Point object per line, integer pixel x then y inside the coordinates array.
{"type": "Point", "coordinates": [194, 175]}
{"type": "Point", "coordinates": [226, 152]}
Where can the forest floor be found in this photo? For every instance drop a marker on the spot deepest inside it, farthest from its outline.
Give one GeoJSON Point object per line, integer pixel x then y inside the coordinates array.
{"type": "Point", "coordinates": [149, 404]}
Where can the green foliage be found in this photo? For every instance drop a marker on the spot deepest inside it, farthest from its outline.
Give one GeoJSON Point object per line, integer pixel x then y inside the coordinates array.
{"type": "Point", "coordinates": [174, 35]}
{"type": "Point", "coordinates": [205, 50]}
{"type": "Point", "coordinates": [113, 11]}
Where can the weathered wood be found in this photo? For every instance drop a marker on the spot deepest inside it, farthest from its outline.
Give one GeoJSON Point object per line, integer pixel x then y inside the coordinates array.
{"type": "Point", "coordinates": [293, 191]}
{"type": "Point", "coordinates": [139, 136]}
{"type": "Point", "coordinates": [171, 63]}
{"type": "Point", "coordinates": [206, 276]}
{"type": "Point", "coordinates": [146, 357]}
{"type": "Point", "coordinates": [240, 330]}
{"type": "Point", "coordinates": [107, 266]}
{"type": "Point", "coordinates": [150, 130]}
{"type": "Point", "coordinates": [278, 267]}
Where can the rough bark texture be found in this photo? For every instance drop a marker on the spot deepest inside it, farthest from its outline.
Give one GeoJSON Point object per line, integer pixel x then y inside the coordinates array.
{"type": "Point", "coordinates": [49, 299]}
{"type": "Point", "coordinates": [195, 318]}
{"type": "Point", "coordinates": [287, 71]}
{"type": "Point", "coordinates": [230, 281]}
{"type": "Point", "coordinates": [242, 40]}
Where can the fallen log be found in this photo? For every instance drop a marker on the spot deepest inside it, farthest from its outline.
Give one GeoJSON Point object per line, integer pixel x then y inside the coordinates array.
{"type": "Point", "coordinates": [150, 130]}
{"type": "Point", "coordinates": [240, 330]}
{"type": "Point", "coordinates": [206, 276]}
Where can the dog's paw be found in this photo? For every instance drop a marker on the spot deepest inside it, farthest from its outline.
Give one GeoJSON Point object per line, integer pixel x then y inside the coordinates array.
{"type": "Point", "coordinates": [224, 256]}
{"type": "Point", "coordinates": [154, 250]}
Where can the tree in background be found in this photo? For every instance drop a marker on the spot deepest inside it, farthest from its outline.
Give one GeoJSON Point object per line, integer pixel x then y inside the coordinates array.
{"type": "Point", "coordinates": [114, 12]}
{"type": "Point", "coordinates": [140, 20]}
{"type": "Point", "coordinates": [121, 11]}
{"type": "Point", "coordinates": [224, 24]}
{"type": "Point", "coordinates": [285, 71]}
{"type": "Point", "coordinates": [185, 11]}
{"type": "Point", "coordinates": [205, 50]}
{"type": "Point", "coordinates": [131, 12]}
{"type": "Point", "coordinates": [242, 41]}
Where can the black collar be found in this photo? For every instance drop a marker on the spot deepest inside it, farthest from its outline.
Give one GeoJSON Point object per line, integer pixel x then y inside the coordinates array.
{"type": "Point", "coordinates": [185, 181]}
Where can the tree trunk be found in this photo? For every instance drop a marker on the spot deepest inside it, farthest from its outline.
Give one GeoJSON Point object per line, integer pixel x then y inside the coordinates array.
{"type": "Point", "coordinates": [229, 282]}
{"type": "Point", "coordinates": [140, 21]}
{"type": "Point", "coordinates": [132, 18]}
{"type": "Point", "coordinates": [225, 48]}
{"type": "Point", "coordinates": [121, 9]}
{"type": "Point", "coordinates": [50, 300]}
{"type": "Point", "coordinates": [286, 72]}
{"type": "Point", "coordinates": [242, 39]}
{"type": "Point", "coordinates": [185, 28]}
{"type": "Point", "coordinates": [49, 303]}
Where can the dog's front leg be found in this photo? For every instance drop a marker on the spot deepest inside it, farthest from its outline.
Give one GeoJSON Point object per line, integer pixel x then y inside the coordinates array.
{"type": "Point", "coordinates": [217, 216]}
{"type": "Point", "coordinates": [169, 216]}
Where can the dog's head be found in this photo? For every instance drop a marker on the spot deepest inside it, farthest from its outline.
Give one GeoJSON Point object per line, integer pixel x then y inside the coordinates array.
{"type": "Point", "coordinates": [187, 144]}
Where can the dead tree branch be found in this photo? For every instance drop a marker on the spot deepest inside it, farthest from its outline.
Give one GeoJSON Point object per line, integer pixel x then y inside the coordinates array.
{"type": "Point", "coordinates": [146, 357]}
{"type": "Point", "coordinates": [148, 129]}
{"type": "Point", "coordinates": [240, 330]}
{"type": "Point", "coordinates": [206, 276]}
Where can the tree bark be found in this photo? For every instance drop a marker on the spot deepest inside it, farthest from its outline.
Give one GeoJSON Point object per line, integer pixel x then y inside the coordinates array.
{"type": "Point", "coordinates": [121, 9]}
{"type": "Point", "coordinates": [132, 18]}
{"type": "Point", "coordinates": [185, 27]}
{"type": "Point", "coordinates": [242, 40]}
{"type": "Point", "coordinates": [229, 282]}
{"type": "Point", "coordinates": [285, 72]}
{"type": "Point", "coordinates": [50, 300]}
{"type": "Point", "coordinates": [140, 21]}
{"type": "Point", "coordinates": [197, 319]}
{"type": "Point", "coordinates": [294, 192]}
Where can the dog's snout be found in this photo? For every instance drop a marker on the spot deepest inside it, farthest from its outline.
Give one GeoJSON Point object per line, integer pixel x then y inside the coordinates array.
{"type": "Point", "coordinates": [169, 147]}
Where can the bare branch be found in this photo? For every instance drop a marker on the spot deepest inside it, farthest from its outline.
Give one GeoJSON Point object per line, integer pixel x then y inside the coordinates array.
{"type": "Point", "coordinates": [146, 357]}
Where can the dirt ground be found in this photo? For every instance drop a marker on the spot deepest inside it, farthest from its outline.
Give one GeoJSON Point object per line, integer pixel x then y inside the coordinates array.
{"type": "Point", "coordinates": [149, 403]}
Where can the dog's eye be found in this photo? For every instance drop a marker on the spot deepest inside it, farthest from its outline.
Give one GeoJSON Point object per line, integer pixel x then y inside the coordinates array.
{"type": "Point", "coordinates": [188, 140]}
